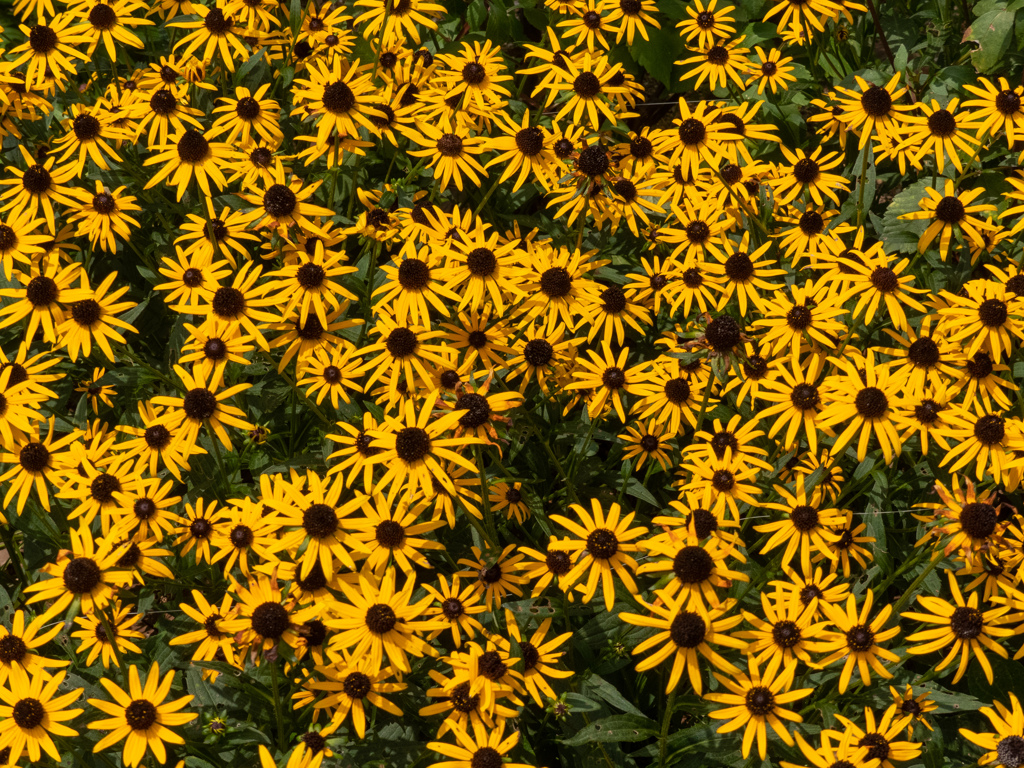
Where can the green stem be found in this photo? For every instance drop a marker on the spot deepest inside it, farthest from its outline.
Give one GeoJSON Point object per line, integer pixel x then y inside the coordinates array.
{"type": "Point", "coordinates": [905, 598]}
{"type": "Point", "coordinates": [220, 464]}
{"type": "Point", "coordinates": [863, 172]}
{"type": "Point", "coordinates": [666, 722]}
{"type": "Point", "coordinates": [704, 402]}
{"type": "Point", "coordinates": [276, 685]}
{"type": "Point", "coordinates": [108, 627]}
{"type": "Point", "coordinates": [485, 494]}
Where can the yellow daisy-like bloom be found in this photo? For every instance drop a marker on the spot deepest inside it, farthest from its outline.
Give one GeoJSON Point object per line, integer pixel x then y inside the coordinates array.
{"type": "Point", "coordinates": [1006, 745]}
{"type": "Point", "coordinates": [606, 541]}
{"type": "Point", "coordinates": [19, 643]}
{"type": "Point", "coordinates": [872, 112]}
{"type": "Point", "coordinates": [866, 401]}
{"type": "Point", "coordinates": [97, 641]}
{"type": "Point", "coordinates": [397, 21]}
{"type": "Point", "coordinates": [485, 747]}
{"type": "Point", "coordinates": [807, 528]}
{"type": "Point", "coordinates": [858, 640]}
{"type": "Point", "coordinates": [412, 448]}
{"type": "Point", "coordinates": [219, 625]}
{"type": "Point", "coordinates": [272, 617]}
{"type": "Point", "coordinates": [141, 716]}
{"type": "Point", "coordinates": [451, 151]}
{"type": "Point", "coordinates": [989, 316]}
{"type": "Point", "coordinates": [590, 80]}
{"type": "Point", "coordinates": [843, 753]}
{"type": "Point", "coordinates": [393, 533]}
{"type": "Point", "coordinates": [496, 573]}
{"type": "Point", "coordinates": [458, 606]}
{"type": "Point", "coordinates": [350, 685]}
{"type": "Point", "coordinates": [699, 568]}
{"type": "Point", "coordinates": [39, 186]}
{"type": "Point", "coordinates": [880, 736]}
{"type": "Point", "coordinates": [811, 315]}
{"type": "Point", "coordinates": [102, 216]}
{"type": "Point", "coordinates": [915, 706]}
{"type": "Point", "coordinates": [993, 441]}
{"type": "Point", "coordinates": [85, 572]}
{"type": "Point", "coordinates": [687, 629]}
{"type": "Point", "coordinates": [247, 117]}
{"type": "Point", "coordinates": [30, 714]}
{"type": "Point", "coordinates": [34, 459]}
{"type": "Point", "coordinates": [318, 522]}
{"type": "Point", "coordinates": [215, 31]}
{"type": "Point", "coordinates": [50, 50]}
{"type": "Point", "coordinates": [109, 21]}
{"type": "Point", "coordinates": [381, 621]}
{"type": "Point", "coordinates": [999, 108]}
{"type": "Point", "coordinates": [940, 133]}
{"type": "Point", "coordinates": [18, 241]}
{"type": "Point", "coordinates": [341, 95]}
{"type": "Point", "coordinates": [707, 22]}
{"type": "Point", "coordinates": [202, 404]}
{"type": "Point", "coordinates": [961, 623]}
{"type": "Point", "coordinates": [610, 377]}
{"type": "Point", "coordinates": [189, 154]}
{"type": "Point", "coordinates": [756, 701]}
{"type": "Point", "coordinates": [285, 204]}
{"type": "Point", "coordinates": [91, 317]}
{"type": "Point", "coordinates": [718, 64]}
{"type": "Point", "coordinates": [785, 634]}
{"type": "Point", "coordinates": [539, 655]}
{"type": "Point", "coordinates": [951, 211]}
{"type": "Point", "coordinates": [772, 69]}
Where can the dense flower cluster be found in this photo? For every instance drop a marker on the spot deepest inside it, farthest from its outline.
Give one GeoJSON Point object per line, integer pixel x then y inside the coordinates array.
{"type": "Point", "coordinates": [726, 311]}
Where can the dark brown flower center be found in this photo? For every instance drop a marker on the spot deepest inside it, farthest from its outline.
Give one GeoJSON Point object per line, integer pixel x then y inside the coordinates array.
{"type": "Point", "coordinates": [693, 565]}
{"type": "Point", "coordinates": [760, 701]}
{"type": "Point", "coordinates": [380, 619]}
{"type": "Point", "coordinates": [942, 123]}
{"type": "Point", "coordinates": [687, 629]}
{"type": "Point", "coordinates": [82, 575]}
{"type": "Point", "coordinates": [966, 623]}
{"type": "Point", "coordinates": [978, 520]}
{"type": "Point", "coordinates": [871, 403]}
{"type": "Point", "coordinates": [199, 404]}
{"type": "Point", "coordinates": [193, 148]}
{"type": "Point", "coordinates": [786, 634]}
{"type": "Point", "coordinates": [876, 101]}
{"type": "Point", "coordinates": [270, 620]}
{"type": "Point", "coordinates": [279, 201]}
{"type": "Point", "coordinates": [990, 429]}
{"type": "Point", "coordinates": [860, 638]}
{"type": "Point", "coordinates": [412, 444]}
{"type": "Point", "coordinates": [949, 210]}
{"type": "Point", "coordinates": [86, 312]}
{"type": "Point", "coordinates": [602, 544]}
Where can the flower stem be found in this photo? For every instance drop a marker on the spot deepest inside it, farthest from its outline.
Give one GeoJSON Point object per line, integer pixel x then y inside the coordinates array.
{"type": "Point", "coordinates": [275, 683]}
{"type": "Point", "coordinates": [666, 721]}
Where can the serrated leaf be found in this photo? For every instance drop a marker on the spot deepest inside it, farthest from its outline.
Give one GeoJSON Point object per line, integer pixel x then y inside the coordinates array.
{"type": "Point", "coordinates": [899, 235]}
{"type": "Point", "coordinates": [614, 728]}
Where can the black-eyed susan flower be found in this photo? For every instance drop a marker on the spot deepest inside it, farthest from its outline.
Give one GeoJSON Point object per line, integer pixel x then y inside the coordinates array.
{"type": "Point", "coordinates": [940, 133]}
{"type": "Point", "coordinates": [807, 529]}
{"type": "Point", "coordinates": [707, 22]}
{"type": "Point", "coordinates": [456, 610]}
{"type": "Point", "coordinates": [857, 640]}
{"type": "Point", "coordinates": [273, 618]}
{"type": "Point", "coordinates": [187, 155]}
{"type": "Point", "coordinates": [872, 112]}
{"type": "Point", "coordinates": [970, 630]}
{"type": "Point", "coordinates": [110, 22]}
{"type": "Point", "coordinates": [99, 643]}
{"type": "Point", "coordinates": [602, 550]}
{"type": "Point", "coordinates": [880, 736]}
{"type": "Point", "coordinates": [31, 711]}
{"type": "Point", "coordinates": [20, 643]}
{"type": "Point", "coordinates": [998, 108]}
{"type": "Point", "coordinates": [988, 316]}
{"type": "Point", "coordinates": [685, 629]}
{"type": "Point", "coordinates": [103, 216]}
{"type": "Point", "coordinates": [785, 636]}
{"type": "Point", "coordinates": [721, 64]}
{"type": "Point", "coordinates": [451, 151]}
{"type": "Point", "coordinates": [611, 379]}
{"type": "Point", "coordinates": [700, 568]}
{"type": "Point", "coordinates": [381, 621]}
{"type": "Point", "coordinates": [754, 702]}
{"type": "Point", "coordinates": [203, 404]}
{"type": "Point", "coordinates": [951, 212]}
{"type": "Point", "coordinates": [496, 573]}
{"type": "Point", "coordinates": [353, 684]}
{"type": "Point", "coordinates": [772, 70]}
{"type": "Point", "coordinates": [219, 623]}
{"type": "Point", "coordinates": [50, 50]}
{"type": "Point", "coordinates": [811, 316]}
{"type": "Point", "coordinates": [483, 747]}
{"type": "Point", "coordinates": [214, 32]}
{"type": "Point", "coordinates": [87, 572]}
{"type": "Point", "coordinates": [412, 447]}
{"type": "Point", "coordinates": [1006, 743]}
{"type": "Point", "coordinates": [865, 401]}
{"type": "Point", "coordinates": [141, 716]}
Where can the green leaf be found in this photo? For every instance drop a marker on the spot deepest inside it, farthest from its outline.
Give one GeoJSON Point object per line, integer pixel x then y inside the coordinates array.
{"type": "Point", "coordinates": [657, 54]}
{"type": "Point", "coordinates": [614, 728]}
{"type": "Point", "coordinates": [295, 17]}
{"type": "Point", "coordinates": [901, 235]}
{"type": "Point", "coordinates": [992, 32]}
{"type": "Point", "coordinates": [636, 489]}
{"type": "Point", "coordinates": [498, 26]}
{"type": "Point", "coordinates": [605, 690]}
